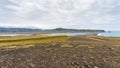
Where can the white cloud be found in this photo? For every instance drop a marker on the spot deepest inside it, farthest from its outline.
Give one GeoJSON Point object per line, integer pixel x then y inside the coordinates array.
{"type": "Point", "coordinates": [63, 6]}
{"type": "Point", "coordinates": [55, 13]}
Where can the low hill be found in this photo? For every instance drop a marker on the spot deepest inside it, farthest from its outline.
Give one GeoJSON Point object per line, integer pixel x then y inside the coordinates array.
{"type": "Point", "coordinates": [61, 30]}
{"type": "Point", "coordinates": [57, 30]}
{"type": "Point", "coordinates": [4, 29]}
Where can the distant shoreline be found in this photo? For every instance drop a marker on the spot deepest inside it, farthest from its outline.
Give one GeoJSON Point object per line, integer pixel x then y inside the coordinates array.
{"type": "Point", "coordinates": [45, 34]}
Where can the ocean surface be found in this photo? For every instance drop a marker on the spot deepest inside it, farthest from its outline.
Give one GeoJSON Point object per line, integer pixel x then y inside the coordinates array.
{"type": "Point", "coordinates": [110, 34]}
{"type": "Point", "coordinates": [14, 34]}
{"type": "Point", "coordinates": [68, 34]}
{"type": "Point", "coordinates": [107, 33]}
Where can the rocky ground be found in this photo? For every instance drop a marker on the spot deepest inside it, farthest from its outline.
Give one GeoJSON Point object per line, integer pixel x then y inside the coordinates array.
{"type": "Point", "coordinates": [76, 52]}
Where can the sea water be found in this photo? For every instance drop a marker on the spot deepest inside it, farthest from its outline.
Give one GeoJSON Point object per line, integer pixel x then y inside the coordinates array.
{"type": "Point", "coordinates": [68, 34]}
{"type": "Point", "coordinates": [107, 33]}
{"type": "Point", "coordinates": [110, 33]}
{"type": "Point", "coordinates": [14, 34]}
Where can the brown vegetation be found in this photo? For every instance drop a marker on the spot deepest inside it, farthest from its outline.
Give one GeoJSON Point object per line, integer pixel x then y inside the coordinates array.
{"type": "Point", "coordinates": [60, 52]}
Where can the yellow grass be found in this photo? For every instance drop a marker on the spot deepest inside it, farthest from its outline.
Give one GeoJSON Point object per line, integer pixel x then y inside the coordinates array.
{"type": "Point", "coordinates": [24, 42]}
{"type": "Point", "coordinates": [17, 42]}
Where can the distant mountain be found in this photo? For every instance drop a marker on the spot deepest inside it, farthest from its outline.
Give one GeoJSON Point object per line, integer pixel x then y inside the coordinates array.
{"type": "Point", "coordinates": [61, 30]}
{"type": "Point", "coordinates": [57, 30]}
{"type": "Point", "coordinates": [5, 29]}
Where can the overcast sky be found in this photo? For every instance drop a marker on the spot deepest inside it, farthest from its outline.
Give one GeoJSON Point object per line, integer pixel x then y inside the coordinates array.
{"type": "Point", "coordinates": [79, 14]}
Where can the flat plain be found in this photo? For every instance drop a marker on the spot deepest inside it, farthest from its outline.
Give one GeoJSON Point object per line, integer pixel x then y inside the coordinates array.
{"type": "Point", "coordinates": [85, 51]}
